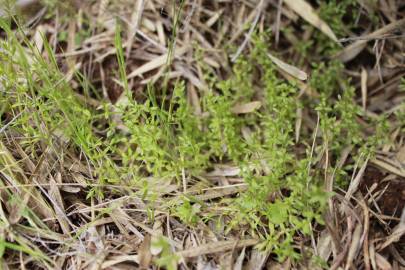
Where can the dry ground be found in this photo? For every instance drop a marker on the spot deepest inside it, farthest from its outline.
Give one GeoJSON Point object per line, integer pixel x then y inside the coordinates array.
{"type": "Point", "coordinates": [364, 219]}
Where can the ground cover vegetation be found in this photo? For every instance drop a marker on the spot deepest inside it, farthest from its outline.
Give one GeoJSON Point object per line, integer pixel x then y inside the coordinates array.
{"type": "Point", "coordinates": [202, 134]}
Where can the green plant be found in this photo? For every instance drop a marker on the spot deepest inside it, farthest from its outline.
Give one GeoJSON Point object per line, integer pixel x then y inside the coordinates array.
{"type": "Point", "coordinates": [166, 259]}
{"type": "Point", "coordinates": [159, 141]}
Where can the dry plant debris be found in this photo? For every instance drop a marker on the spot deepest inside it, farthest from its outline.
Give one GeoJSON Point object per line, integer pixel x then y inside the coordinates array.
{"type": "Point", "coordinates": [174, 134]}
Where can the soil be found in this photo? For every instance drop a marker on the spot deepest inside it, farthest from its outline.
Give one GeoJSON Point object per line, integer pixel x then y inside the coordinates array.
{"type": "Point", "coordinates": [392, 201]}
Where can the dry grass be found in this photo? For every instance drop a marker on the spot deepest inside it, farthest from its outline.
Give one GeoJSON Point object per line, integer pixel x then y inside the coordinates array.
{"type": "Point", "coordinates": [48, 221]}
